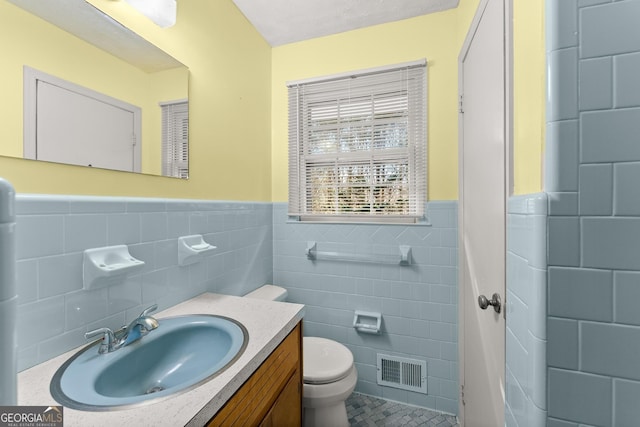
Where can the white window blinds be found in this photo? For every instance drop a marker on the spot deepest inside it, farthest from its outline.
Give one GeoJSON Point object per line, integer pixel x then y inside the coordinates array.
{"type": "Point", "coordinates": [175, 139]}
{"type": "Point", "coordinates": [358, 145]}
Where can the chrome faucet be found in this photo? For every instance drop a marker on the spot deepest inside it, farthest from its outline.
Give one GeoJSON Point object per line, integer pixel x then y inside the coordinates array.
{"type": "Point", "coordinates": [138, 328]}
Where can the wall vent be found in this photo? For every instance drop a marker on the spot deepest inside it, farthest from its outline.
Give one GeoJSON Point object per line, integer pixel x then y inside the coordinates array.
{"type": "Point", "coordinates": [406, 374]}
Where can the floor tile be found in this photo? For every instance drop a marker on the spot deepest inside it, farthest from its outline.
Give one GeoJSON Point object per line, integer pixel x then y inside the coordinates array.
{"type": "Point", "coordinates": [369, 411]}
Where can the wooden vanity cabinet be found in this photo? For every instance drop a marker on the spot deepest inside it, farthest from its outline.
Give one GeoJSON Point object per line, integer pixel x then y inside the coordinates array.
{"type": "Point", "coordinates": [272, 396]}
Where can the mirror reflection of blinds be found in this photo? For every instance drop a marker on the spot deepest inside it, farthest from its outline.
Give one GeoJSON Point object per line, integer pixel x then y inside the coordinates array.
{"type": "Point", "coordinates": [175, 139]}
{"type": "Point", "coordinates": [357, 145]}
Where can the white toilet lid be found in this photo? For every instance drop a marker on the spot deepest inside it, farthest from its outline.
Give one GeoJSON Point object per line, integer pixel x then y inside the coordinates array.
{"type": "Point", "coordinates": [324, 360]}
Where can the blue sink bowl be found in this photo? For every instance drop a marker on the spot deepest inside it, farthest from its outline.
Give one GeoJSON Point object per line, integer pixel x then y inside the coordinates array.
{"type": "Point", "coordinates": [182, 353]}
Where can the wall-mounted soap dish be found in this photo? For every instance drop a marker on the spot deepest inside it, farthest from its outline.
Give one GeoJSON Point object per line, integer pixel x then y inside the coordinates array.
{"type": "Point", "coordinates": [191, 249]}
{"type": "Point", "coordinates": [367, 322]}
{"type": "Point", "coordinates": [108, 265]}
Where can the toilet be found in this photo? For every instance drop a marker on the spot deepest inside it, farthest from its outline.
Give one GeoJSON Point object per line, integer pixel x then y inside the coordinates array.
{"type": "Point", "coordinates": [329, 375]}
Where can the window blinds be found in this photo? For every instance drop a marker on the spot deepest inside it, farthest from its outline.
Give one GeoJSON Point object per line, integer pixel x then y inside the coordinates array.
{"type": "Point", "coordinates": [357, 145]}
{"type": "Point", "coordinates": [175, 139]}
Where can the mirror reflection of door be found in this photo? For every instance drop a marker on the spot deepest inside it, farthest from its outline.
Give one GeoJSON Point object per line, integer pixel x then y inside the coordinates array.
{"type": "Point", "coordinates": [80, 130]}
{"type": "Point", "coordinates": [75, 125]}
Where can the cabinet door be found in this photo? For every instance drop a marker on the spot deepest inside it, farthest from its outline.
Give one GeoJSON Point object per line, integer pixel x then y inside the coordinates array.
{"type": "Point", "coordinates": [286, 410]}
{"type": "Point", "coordinates": [251, 405]}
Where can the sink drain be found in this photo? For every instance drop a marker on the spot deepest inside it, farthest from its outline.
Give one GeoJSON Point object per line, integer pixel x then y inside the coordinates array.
{"type": "Point", "coordinates": [154, 389]}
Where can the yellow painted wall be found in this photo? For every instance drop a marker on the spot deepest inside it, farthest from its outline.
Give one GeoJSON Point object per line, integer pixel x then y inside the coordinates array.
{"type": "Point", "coordinates": [466, 11]}
{"type": "Point", "coordinates": [529, 95]}
{"type": "Point", "coordinates": [238, 102]}
{"type": "Point", "coordinates": [230, 80]}
{"type": "Point", "coordinates": [433, 37]}
{"type": "Point", "coordinates": [437, 37]}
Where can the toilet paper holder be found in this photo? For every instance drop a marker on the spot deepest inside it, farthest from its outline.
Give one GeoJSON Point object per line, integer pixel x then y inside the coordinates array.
{"type": "Point", "coordinates": [367, 322]}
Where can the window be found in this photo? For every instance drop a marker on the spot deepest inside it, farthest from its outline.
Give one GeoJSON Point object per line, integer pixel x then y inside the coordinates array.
{"type": "Point", "coordinates": [357, 146]}
{"type": "Point", "coordinates": [175, 139]}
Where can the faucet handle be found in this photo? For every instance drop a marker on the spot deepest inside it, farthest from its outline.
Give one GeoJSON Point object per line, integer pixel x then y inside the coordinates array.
{"type": "Point", "coordinates": [108, 339]}
{"type": "Point", "coordinates": [106, 331]}
{"type": "Point", "coordinates": [148, 310]}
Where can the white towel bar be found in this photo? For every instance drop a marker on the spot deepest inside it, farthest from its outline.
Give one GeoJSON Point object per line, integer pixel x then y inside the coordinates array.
{"type": "Point", "coordinates": [403, 258]}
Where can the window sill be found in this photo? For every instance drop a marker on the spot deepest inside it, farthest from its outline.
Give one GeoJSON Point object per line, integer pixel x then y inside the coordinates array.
{"type": "Point", "coordinates": [424, 222]}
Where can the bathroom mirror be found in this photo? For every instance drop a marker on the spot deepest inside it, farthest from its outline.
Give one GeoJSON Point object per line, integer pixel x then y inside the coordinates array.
{"type": "Point", "coordinates": [73, 42]}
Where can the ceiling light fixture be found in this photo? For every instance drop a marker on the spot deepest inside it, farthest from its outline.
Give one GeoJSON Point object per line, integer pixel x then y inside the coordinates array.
{"type": "Point", "coordinates": [161, 12]}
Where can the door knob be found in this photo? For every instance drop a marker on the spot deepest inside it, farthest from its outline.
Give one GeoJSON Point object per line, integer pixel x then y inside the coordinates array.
{"type": "Point", "coordinates": [483, 302]}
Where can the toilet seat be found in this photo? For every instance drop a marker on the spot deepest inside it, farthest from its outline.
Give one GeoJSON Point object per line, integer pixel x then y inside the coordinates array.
{"type": "Point", "coordinates": [325, 361]}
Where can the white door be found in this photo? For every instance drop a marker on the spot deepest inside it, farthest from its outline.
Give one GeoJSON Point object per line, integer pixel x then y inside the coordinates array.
{"type": "Point", "coordinates": [482, 216]}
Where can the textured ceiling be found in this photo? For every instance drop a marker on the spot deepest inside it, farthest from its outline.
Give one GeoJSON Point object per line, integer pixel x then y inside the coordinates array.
{"type": "Point", "coordinates": [288, 21]}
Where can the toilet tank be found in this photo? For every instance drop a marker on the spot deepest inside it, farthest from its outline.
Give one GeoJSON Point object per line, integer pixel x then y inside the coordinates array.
{"type": "Point", "coordinates": [269, 292]}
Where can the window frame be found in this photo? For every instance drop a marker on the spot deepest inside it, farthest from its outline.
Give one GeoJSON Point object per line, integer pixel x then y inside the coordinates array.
{"type": "Point", "coordinates": [175, 144]}
{"type": "Point", "coordinates": [412, 155]}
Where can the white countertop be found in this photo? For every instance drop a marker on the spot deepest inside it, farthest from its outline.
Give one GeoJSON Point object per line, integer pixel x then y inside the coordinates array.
{"type": "Point", "coordinates": [267, 322]}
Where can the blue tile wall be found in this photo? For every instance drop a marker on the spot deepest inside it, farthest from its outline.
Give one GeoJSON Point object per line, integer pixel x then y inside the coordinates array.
{"type": "Point", "coordinates": [562, 97]}
{"type": "Point", "coordinates": [565, 35]}
{"type": "Point", "coordinates": [580, 397]}
{"type": "Point", "coordinates": [598, 144]}
{"type": "Point", "coordinates": [561, 156]}
{"type": "Point", "coordinates": [256, 245]}
{"type": "Point", "coordinates": [54, 311]}
{"type": "Point", "coordinates": [594, 256]}
{"type": "Point", "coordinates": [609, 29]}
{"type": "Point", "coordinates": [565, 248]}
{"type": "Point", "coordinates": [562, 343]}
{"type": "Point", "coordinates": [600, 345]}
{"type": "Point", "coordinates": [627, 90]}
{"type": "Point", "coordinates": [526, 302]}
{"type": "Point", "coordinates": [626, 295]}
{"type": "Point", "coordinates": [594, 286]}
{"type": "Point", "coordinates": [596, 84]}
{"type": "Point", "coordinates": [626, 409]}
{"type": "Point", "coordinates": [596, 189]}
{"type": "Point", "coordinates": [418, 303]}
{"type": "Point", "coordinates": [564, 203]}
{"type": "Point", "coordinates": [627, 190]}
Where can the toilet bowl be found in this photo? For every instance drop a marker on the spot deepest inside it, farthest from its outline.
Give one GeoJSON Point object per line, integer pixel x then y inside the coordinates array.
{"type": "Point", "coordinates": [329, 375]}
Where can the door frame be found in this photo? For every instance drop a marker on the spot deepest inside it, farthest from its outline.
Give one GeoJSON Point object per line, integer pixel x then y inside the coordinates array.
{"type": "Point", "coordinates": [509, 180]}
